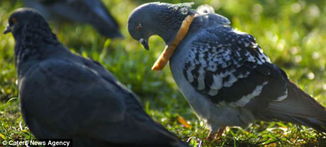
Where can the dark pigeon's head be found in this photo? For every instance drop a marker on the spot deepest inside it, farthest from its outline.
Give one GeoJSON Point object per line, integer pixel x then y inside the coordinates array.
{"type": "Point", "coordinates": [157, 18]}
{"type": "Point", "coordinates": [20, 19]}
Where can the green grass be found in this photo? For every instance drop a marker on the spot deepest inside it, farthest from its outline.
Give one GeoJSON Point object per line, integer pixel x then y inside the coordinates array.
{"type": "Point", "coordinates": [292, 33]}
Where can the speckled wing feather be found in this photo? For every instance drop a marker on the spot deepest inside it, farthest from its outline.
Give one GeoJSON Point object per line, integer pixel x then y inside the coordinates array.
{"type": "Point", "coordinates": [229, 66]}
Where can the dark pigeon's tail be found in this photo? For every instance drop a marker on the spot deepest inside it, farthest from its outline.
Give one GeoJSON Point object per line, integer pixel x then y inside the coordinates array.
{"type": "Point", "coordinates": [106, 24]}
{"type": "Point", "coordinates": [92, 12]}
{"type": "Point", "coordinates": [299, 108]}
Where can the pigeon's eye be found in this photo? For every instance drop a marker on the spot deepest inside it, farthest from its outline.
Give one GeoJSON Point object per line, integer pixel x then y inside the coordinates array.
{"type": "Point", "coordinates": [139, 27]}
{"type": "Point", "coordinates": [12, 21]}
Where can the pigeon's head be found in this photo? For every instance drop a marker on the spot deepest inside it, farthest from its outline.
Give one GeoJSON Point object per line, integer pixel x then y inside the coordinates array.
{"type": "Point", "coordinates": [157, 18]}
{"type": "Point", "coordinates": [21, 18]}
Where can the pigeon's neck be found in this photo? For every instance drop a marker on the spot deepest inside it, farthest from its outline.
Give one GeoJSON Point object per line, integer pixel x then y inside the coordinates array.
{"type": "Point", "coordinates": [32, 44]}
{"type": "Point", "coordinates": [169, 22]}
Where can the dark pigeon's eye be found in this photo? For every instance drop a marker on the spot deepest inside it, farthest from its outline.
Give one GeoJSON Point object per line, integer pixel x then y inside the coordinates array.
{"type": "Point", "coordinates": [12, 21]}
{"type": "Point", "coordinates": [139, 27]}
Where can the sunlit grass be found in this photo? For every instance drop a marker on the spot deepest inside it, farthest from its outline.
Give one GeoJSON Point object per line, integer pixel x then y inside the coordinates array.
{"type": "Point", "coordinates": [292, 34]}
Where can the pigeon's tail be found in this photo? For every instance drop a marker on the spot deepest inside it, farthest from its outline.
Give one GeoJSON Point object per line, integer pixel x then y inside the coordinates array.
{"type": "Point", "coordinates": [174, 140]}
{"type": "Point", "coordinates": [92, 12]}
{"type": "Point", "coordinates": [106, 24]}
{"type": "Point", "coordinates": [86, 142]}
{"type": "Point", "coordinates": [159, 136]}
{"type": "Point", "coordinates": [39, 7]}
{"type": "Point", "coordinates": [110, 32]}
{"type": "Point", "coordinates": [299, 108]}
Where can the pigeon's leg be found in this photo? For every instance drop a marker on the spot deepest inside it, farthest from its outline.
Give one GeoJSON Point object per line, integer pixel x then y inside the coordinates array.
{"type": "Point", "coordinates": [216, 135]}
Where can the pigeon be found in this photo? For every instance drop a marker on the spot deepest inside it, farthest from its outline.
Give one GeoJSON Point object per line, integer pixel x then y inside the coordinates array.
{"type": "Point", "coordinates": [92, 12]}
{"type": "Point", "coordinates": [223, 73]}
{"type": "Point", "coordinates": [66, 96]}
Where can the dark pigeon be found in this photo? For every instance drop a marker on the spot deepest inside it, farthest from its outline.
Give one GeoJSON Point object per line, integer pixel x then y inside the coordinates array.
{"type": "Point", "coordinates": [223, 73]}
{"type": "Point", "coordinates": [92, 12]}
{"type": "Point", "coordinates": [65, 96]}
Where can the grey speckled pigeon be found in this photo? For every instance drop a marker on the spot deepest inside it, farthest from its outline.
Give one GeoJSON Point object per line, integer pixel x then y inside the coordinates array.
{"type": "Point", "coordinates": [92, 12]}
{"type": "Point", "coordinates": [223, 73]}
{"type": "Point", "coordinates": [67, 96]}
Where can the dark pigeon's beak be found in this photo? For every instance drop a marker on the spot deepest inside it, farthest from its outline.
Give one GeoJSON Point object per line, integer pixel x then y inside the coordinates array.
{"type": "Point", "coordinates": [144, 42]}
{"type": "Point", "coordinates": [7, 30]}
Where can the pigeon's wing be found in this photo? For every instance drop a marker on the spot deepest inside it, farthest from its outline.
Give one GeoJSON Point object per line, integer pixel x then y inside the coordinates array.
{"type": "Point", "coordinates": [80, 102]}
{"type": "Point", "coordinates": [154, 133]}
{"type": "Point", "coordinates": [73, 91]}
{"type": "Point", "coordinates": [228, 66]}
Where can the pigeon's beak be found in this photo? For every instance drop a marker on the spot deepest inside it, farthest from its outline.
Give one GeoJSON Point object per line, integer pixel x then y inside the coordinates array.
{"type": "Point", "coordinates": [144, 42]}
{"type": "Point", "coordinates": [8, 29]}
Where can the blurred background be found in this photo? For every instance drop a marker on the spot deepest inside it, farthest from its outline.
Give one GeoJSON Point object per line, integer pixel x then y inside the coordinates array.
{"type": "Point", "coordinates": [292, 33]}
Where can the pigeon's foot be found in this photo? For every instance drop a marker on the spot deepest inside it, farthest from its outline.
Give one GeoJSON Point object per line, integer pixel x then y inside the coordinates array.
{"type": "Point", "coordinates": [215, 135]}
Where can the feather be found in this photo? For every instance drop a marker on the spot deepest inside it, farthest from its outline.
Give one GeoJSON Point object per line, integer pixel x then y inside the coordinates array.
{"type": "Point", "coordinates": [299, 108]}
{"type": "Point", "coordinates": [202, 9]}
